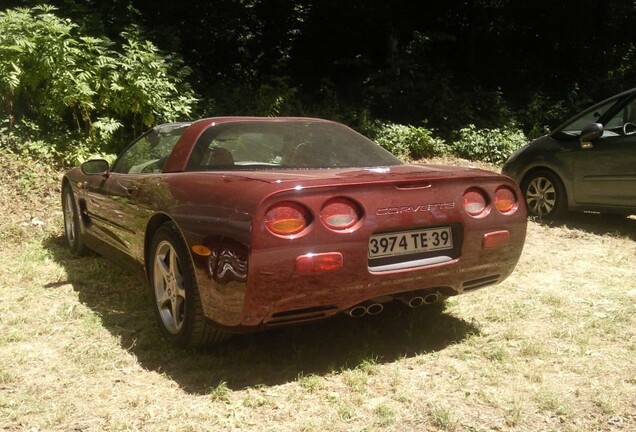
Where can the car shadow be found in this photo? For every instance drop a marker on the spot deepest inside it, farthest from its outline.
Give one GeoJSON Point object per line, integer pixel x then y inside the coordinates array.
{"type": "Point", "coordinates": [597, 223]}
{"type": "Point", "coordinates": [271, 357]}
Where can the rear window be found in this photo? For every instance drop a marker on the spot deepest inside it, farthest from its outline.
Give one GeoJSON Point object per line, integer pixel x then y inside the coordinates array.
{"type": "Point", "coordinates": [275, 145]}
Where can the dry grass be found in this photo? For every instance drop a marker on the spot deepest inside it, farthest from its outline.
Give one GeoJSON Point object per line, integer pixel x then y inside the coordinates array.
{"type": "Point", "coordinates": [550, 349]}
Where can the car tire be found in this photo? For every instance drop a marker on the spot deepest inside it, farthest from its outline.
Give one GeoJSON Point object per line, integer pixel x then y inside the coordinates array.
{"type": "Point", "coordinates": [177, 303]}
{"type": "Point", "coordinates": [544, 195]}
{"type": "Point", "coordinates": [72, 227]}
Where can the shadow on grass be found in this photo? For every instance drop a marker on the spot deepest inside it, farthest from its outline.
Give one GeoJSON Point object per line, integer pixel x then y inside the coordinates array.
{"type": "Point", "coordinates": [600, 224]}
{"type": "Point", "coordinates": [266, 358]}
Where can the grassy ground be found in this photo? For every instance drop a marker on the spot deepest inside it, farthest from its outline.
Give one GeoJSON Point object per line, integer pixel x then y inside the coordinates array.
{"type": "Point", "coordinates": [551, 348]}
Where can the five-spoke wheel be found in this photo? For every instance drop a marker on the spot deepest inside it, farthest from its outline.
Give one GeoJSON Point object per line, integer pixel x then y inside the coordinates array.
{"type": "Point", "coordinates": [175, 291]}
{"type": "Point", "coordinates": [168, 287]}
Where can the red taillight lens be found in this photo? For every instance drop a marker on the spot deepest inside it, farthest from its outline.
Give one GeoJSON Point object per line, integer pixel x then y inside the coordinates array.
{"type": "Point", "coordinates": [474, 202]}
{"type": "Point", "coordinates": [287, 218]}
{"type": "Point", "coordinates": [340, 214]}
{"type": "Point", "coordinates": [505, 200]}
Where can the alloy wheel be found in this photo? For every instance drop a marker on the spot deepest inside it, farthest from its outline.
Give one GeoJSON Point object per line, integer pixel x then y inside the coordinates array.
{"type": "Point", "coordinates": [541, 196]}
{"type": "Point", "coordinates": [170, 293]}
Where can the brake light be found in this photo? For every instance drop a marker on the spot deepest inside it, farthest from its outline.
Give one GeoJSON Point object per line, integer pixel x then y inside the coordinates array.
{"type": "Point", "coordinates": [287, 218]}
{"type": "Point", "coordinates": [340, 214]}
{"type": "Point", "coordinates": [474, 202]}
{"type": "Point", "coordinates": [505, 200]}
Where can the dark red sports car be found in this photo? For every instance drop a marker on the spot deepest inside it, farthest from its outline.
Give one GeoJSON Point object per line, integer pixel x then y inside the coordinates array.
{"type": "Point", "coordinates": [247, 223]}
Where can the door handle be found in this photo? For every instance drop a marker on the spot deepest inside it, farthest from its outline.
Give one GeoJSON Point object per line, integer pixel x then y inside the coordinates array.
{"type": "Point", "coordinates": [129, 187]}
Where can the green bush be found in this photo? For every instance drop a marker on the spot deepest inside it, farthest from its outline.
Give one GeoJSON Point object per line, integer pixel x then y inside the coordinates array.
{"type": "Point", "coordinates": [75, 92]}
{"type": "Point", "coordinates": [408, 142]}
{"type": "Point", "coordinates": [488, 145]}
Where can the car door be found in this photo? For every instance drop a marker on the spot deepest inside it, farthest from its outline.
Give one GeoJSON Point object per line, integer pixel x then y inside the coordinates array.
{"type": "Point", "coordinates": [604, 171]}
{"type": "Point", "coordinates": [121, 203]}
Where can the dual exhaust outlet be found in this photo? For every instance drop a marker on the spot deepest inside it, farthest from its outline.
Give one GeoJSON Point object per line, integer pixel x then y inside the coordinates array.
{"type": "Point", "coordinates": [374, 308]}
{"type": "Point", "coordinates": [370, 308]}
{"type": "Point", "coordinates": [420, 300]}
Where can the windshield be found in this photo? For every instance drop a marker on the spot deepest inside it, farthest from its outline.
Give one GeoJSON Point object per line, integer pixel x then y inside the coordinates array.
{"type": "Point", "coordinates": [293, 144]}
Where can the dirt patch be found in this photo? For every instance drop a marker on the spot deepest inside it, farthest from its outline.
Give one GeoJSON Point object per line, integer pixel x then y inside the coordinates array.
{"type": "Point", "coordinates": [29, 198]}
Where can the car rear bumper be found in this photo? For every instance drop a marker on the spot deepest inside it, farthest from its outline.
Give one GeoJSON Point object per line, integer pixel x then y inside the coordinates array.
{"type": "Point", "coordinates": [273, 293]}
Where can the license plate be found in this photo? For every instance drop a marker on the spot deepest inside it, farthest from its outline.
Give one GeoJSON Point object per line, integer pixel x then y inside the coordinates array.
{"type": "Point", "coordinates": [410, 242]}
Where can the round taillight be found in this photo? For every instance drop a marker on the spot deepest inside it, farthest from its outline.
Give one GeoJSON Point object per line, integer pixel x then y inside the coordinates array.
{"type": "Point", "coordinates": [287, 218]}
{"type": "Point", "coordinates": [505, 200]}
{"type": "Point", "coordinates": [474, 202]}
{"type": "Point", "coordinates": [340, 214]}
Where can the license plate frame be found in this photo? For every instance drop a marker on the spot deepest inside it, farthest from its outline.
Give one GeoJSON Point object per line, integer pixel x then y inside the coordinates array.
{"type": "Point", "coordinates": [410, 242]}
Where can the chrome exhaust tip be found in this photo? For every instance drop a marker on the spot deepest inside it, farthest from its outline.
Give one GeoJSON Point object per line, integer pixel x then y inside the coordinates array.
{"type": "Point", "coordinates": [412, 302]}
{"type": "Point", "coordinates": [429, 299]}
{"type": "Point", "coordinates": [357, 311]}
{"type": "Point", "coordinates": [416, 301]}
{"type": "Point", "coordinates": [375, 308]}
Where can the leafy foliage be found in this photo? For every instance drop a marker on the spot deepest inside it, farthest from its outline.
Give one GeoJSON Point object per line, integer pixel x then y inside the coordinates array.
{"type": "Point", "coordinates": [409, 142]}
{"type": "Point", "coordinates": [77, 90]}
{"type": "Point", "coordinates": [444, 64]}
{"type": "Point", "coordinates": [488, 145]}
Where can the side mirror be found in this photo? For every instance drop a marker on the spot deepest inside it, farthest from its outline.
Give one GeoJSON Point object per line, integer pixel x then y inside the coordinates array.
{"type": "Point", "coordinates": [590, 133]}
{"type": "Point", "coordinates": [96, 167]}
